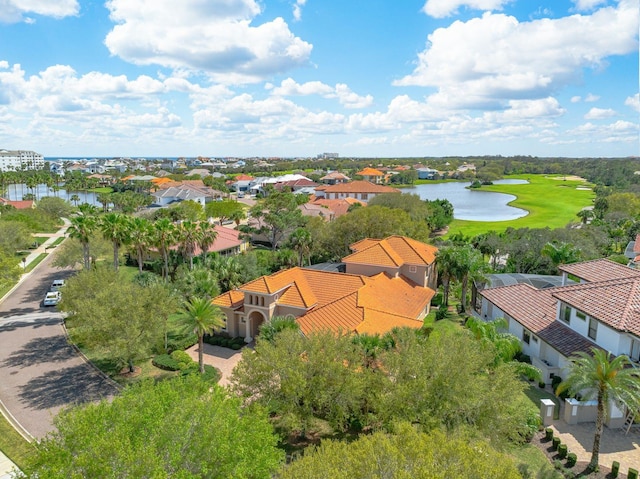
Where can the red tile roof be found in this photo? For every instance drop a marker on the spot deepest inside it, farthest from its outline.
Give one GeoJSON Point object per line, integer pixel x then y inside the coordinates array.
{"type": "Point", "coordinates": [339, 207]}
{"type": "Point", "coordinates": [636, 245]}
{"type": "Point", "coordinates": [536, 310]}
{"type": "Point", "coordinates": [599, 270]}
{"type": "Point", "coordinates": [616, 303]}
{"type": "Point", "coordinates": [370, 172]}
{"type": "Point", "coordinates": [392, 251]}
{"type": "Point", "coordinates": [19, 205]}
{"type": "Point", "coordinates": [357, 187]}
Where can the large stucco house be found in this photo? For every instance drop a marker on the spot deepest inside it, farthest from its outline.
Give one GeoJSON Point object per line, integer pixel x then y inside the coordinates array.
{"type": "Point", "coordinates": [388, 283]}
{"type": "Point", "coordinates": [596, 305]}
{"type": "Point", "coordinates": [359, 190]}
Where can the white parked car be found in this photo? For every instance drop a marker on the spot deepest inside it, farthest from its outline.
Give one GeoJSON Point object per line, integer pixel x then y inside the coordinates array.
{"type": "Point", "coordinates": [52, 298]}
{"type": "Point", "coordinates": [56, 285]}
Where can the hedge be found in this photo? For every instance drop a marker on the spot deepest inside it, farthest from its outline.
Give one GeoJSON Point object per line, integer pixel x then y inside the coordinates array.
{"type": "Point", "coordinates": [572, 458]}
{"type": "Point", "coordinates": [165, 362]}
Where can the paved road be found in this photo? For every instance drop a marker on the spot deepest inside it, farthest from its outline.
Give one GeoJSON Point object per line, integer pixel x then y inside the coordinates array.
{"type": "Point", "coordinates": [39, 372]}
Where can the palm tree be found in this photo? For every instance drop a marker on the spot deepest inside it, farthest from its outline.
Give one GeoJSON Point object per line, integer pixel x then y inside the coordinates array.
{"type": "Point", "coordinates": [470, 265]}
{"type": "Point", "coordinates": [300, 241]}
{"type": "Point", "coordinates": [115, 228]}
{"type": "Point", "coordinates": [82, 227]}
{"type": "Point", "coordinates": [188, 237]}
{"type": "Point", "coordinates": [140, 238]}
{"type": "Point", "coordinates": [607, 379]}
{"type": "Point", "coordinates": [75, 198]}
{"type": "Point", "coordinates": [446, 261]}
{"type": "Point", "coordinates": [207, 237]}
{"type": "Point", "coordinates": [228, 271]}
{"type": "Point", "coordinates": [201, 317]}
{"type": "Point", "coordinates": [164, 233]}
{"type": "Point", "coordinates": [561, 253]}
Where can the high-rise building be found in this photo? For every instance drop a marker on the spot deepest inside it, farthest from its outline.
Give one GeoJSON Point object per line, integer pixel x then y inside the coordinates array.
{"type": "Point", "coordinates": [20, 160]}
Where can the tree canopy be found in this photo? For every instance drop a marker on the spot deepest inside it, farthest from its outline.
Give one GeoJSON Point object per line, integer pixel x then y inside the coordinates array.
{"type": "Point", "coordinates": [180, 428]}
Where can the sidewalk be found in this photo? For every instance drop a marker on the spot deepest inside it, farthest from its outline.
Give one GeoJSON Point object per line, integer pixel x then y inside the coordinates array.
{"type": "Point", "coordinates": [6, 467]}
{"type": "Point", "coordinates": [51, 238]}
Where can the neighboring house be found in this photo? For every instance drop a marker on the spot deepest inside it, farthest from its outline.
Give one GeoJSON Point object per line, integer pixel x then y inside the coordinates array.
{"type": "Point", "coordinates": [334, 178]}
{"type": "Point", "coordinates": [228, 242]}
{"type": "Point", "coordinates": [301, 184]}
{"type": "Point", "coordinates": [241, 183]}
{"type": "Point", "coordinates": [202, 172]}
{"type": "Point", "coordinates": [19, 205]}
{"type": "Point", "coordinates": [353, 302]}
{"type": "Point", "coordinates": [194, 191]}
{"type": "Point", "coordinates": [633, 253]}
{"type": "Point", "coordinates": [294, 181]}
{"type": "Point", "coordinates": [336, 207]}
{"type": "Point", "coordinates": [103, 180]}
{"type": "Point", "coordinates": [600, 309]}
{"type": "Point", "coordinates": [372, 175]}
{"type": "Point", "coordinates": [359, 190]}
{"type": "Point", "coordinates": [427, 173]}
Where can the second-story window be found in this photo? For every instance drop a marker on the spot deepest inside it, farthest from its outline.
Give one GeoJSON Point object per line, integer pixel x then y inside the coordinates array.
{"type": "Point", "coordinates": [565, 313]}
{"type": "Point", "coordinates": [593, 328]}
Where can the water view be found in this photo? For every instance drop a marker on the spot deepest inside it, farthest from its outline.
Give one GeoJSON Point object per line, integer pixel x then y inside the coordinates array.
{"type": "Point", "coordinates": [472, 204]}
{"type": "Point", "coordinates": [16, 193]}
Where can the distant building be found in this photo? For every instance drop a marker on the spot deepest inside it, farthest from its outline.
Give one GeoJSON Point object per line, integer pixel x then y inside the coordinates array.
{"type": "Point", "coordinates": [328, 156]}
{"type": "Point", "coordinates": [20, 160]}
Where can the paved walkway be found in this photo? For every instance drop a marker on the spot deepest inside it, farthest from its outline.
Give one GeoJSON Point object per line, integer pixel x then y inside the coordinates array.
{"type": "Point", "coordinates": [6, 467]}
{"type": "Point", "coordinates": [614, 444]}
{"type": "Point", "coordinates": [224, 359]}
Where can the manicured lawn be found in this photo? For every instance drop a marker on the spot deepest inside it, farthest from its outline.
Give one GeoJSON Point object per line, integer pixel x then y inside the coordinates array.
{"type": "Point", "coordinates": [535, 394]}
{"type": "Point", "coordinates": [530, 458]}
{"type": "Point", "coordinates": [102, 189]}
{"type": "Point", "coordinates": [36, 261]}
{"type": "Point", "coordinates": [57, 241]}
{"type": "Point", "coordinates": [13, 444]}
{"type": "Point", "coordinates": [550, 202]}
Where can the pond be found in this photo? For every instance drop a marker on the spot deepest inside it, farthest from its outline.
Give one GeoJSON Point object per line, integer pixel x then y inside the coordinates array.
{"type": "Point", "coordinates": [472, 204]}
{"type": "Point", "coordinates": [15, 192]}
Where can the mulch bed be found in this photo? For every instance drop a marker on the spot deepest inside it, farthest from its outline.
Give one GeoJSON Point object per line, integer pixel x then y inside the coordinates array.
{"type": "Point", "coordinates": [580, 469]}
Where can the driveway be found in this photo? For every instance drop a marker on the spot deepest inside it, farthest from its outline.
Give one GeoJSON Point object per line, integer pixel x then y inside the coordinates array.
{"type": "Point", "coordinates": [40, 373]}
{"type": "Point", "coordinates": [224, 359]}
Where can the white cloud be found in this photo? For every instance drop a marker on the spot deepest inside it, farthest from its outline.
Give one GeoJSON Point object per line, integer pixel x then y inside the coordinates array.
{"type": "Point", "coordinates": [588, 4]}
{"type": "Point", "coordinates": [576, 99]}
{"type": "Point", "coordinates": [342, 92]}
{"type": "Point", "coordinates": [599, 114]}
{"type": "Point", "coordinates": [591, 98]}
{"type": "Point", "coordinates": [445, 8]}
{"type": "Point", "coordinates": [633, 102]}
{"type": "Point", "coordinates": [487, 61]}
{"type": "Point", "coordinates": [215, 37]}
{"type": "Point", "coordinates": [13, 11]}
{"type": "Point", "coordinates": [297, 9]}
{"type": "Point", "coordinates": [619, 131]}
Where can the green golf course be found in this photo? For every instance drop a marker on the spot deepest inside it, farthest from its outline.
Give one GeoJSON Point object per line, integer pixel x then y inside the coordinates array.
{"type": "Point", "coordinates": [552, 201]}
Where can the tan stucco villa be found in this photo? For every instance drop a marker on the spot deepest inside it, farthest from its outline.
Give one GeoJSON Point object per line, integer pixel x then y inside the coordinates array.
{"type": "Point", "coordinates": [388, 283]}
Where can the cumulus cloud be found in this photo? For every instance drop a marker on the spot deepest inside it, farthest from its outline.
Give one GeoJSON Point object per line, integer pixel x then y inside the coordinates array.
{"type": "Point", "coordinates": [216, 37]}
{"type": "Point", "coordinates": [599, 113]}
{"type": "Point", "coordinates": [445, 8]}
{"type": "Point", "coordinates": [342, 92]}
{"type": "Point", "coordinates": [619, 131]}
{"type": "Point", "coordinates": [576, 99]}
{"type": "Point", "coordinates": [591, 98]}
{"type": "Point", "coordinates": [13, 11]}
{"type": "Point", "coordinates": [487, 61]}
{"type": "Point", "coordinates": [588, 4]}
{"type": "Point", "coordinates": [633, 102]}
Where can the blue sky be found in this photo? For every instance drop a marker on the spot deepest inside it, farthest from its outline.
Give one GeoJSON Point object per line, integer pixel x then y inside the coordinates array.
{"type": "Point", "coordinates": [365, 78]}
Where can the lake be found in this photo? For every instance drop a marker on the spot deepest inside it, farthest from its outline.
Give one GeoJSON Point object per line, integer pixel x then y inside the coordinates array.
{"type": "Point", "coordinates": [472, 204]}
{"type": "Point", "coordinates": [15, 192]}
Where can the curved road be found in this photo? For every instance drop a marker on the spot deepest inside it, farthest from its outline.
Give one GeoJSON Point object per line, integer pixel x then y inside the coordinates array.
{"type": "Point", "coordinates": [40, 373]}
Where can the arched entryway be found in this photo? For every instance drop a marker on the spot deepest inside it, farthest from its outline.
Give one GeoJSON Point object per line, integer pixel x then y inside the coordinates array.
{"type": "Point", "coordinates": [254, 321]}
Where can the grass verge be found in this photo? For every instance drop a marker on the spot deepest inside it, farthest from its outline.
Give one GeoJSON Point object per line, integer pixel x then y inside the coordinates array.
{"type": "Point", "coordinates": [36, 261]}
{"type": "Point", "coordinates": [13, 445]}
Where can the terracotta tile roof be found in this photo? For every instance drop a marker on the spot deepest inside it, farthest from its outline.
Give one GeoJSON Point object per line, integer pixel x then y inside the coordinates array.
{"type": "Point", "coordinates": [599, 270]}
{"type": "Point", "coordinates": [227, 238]}
{"type": "Point", "coordinates": [370, 172]}
{"type": "Point", "coordinates": [335, 175]}
{"type": "Point", "coordinates": [338, 207]}
{"type": "Point", "coordinates": [392, 251]}
{"type": "Point", "coordinates": [18, 204]}
{"type": "Point", "coordinates": [536, 310]}
{"type": "Point", "coordinates": [636, 245]}
{"type": "Point", "coordinates": [340, 301]}
{"type": "Point", "coordinates": [243, 178]}
{"type": "Point", "coordinates": [230, 299]}
{"type": "Point", "coordinates": [357, 187]}
{"type": "Point", "coordinates": [616, 303]}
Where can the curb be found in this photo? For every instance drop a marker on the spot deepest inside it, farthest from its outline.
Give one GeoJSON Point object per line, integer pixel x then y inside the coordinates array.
{"type": "Point", "coordinates": [15, 424]}
{"type": "Point", "coordinates": [87, 360]}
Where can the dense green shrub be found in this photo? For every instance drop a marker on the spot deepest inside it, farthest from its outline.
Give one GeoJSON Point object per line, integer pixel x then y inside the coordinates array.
{"type": "Point", "coordinates": [541, 384]}
{"type": "Point", "coordinates": [548, 434]}
{"type": "Point", "coordinates": [165, 362]}
{"type": "Point", "coordinates": [562, 451]}
{"type": "Point", "coordinates": [183, 359]}
{"type": "Point", "coordinates": [236, 346]}
{"type": "Point", "coordinates": [183, 342]}
{"type": "Point", "coordinates": [571, 459]}
{"type": "Point", "coordinates": [632, 474]}
{"type": "Point", "coordinates": [555, 443]}
{"type": "Point", "coordinates": [615, 469]}
{"type": "Point", "coordinates": [442, 312]}
{"type": "Point", "coordinates": [555, 381]}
